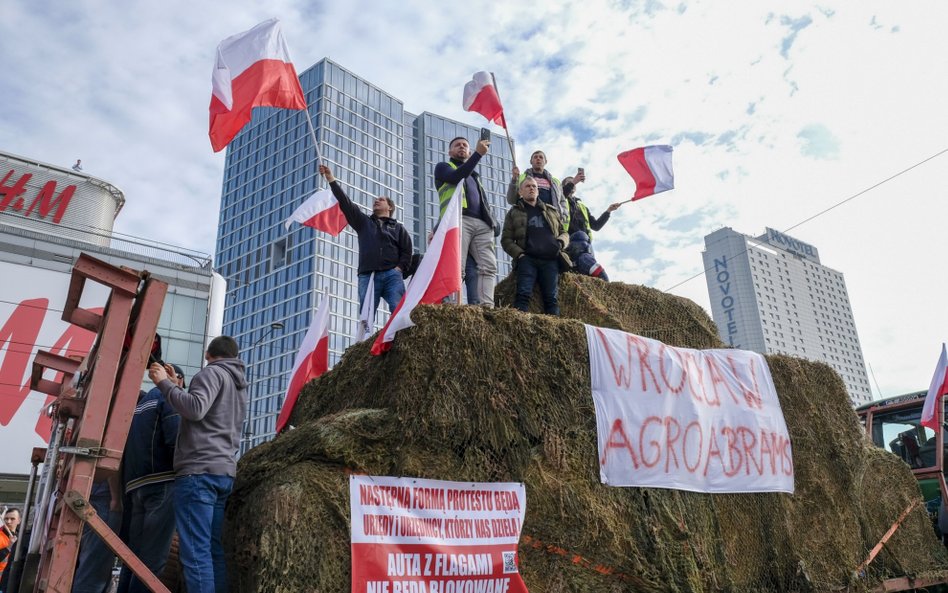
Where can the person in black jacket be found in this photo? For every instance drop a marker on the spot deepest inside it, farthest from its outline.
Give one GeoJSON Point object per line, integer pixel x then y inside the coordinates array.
{"type": "Point", "coordinates": [580, 218]}
{"type": "Point", "coordinates": [384, 245]}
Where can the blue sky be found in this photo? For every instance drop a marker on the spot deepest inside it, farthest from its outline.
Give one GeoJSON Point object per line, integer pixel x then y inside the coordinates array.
{"type": "Point", "coordinates": [776, 111]}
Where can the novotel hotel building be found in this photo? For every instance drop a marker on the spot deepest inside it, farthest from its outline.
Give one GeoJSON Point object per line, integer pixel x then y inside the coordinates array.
{"type": "Point", "coordinates": [771, 294]}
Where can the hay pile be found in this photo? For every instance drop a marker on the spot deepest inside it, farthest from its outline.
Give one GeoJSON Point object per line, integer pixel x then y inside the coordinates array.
{"type": "Point", "coordinates": [495, 395]}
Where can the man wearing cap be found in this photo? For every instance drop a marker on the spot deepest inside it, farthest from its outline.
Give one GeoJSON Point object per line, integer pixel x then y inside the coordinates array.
{"type": "Point", "coordinates": [148, 480]}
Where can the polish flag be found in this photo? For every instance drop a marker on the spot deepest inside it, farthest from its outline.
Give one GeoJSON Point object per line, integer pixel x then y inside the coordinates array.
{"type": "Point", "coordinates": [438, 275]}
{"type": "Point", "coordinates": [938, 388]}
{"type": "Point", "coordinates": [311, 361]}
{"type": "Point", "coordinates": [321, 211]}
{"type": "Point", "coordinates": [253, 69]}
{"type": "Point", "coordinates": [481, 97]}
{"type": "Point", "coordinates": [651, 168]}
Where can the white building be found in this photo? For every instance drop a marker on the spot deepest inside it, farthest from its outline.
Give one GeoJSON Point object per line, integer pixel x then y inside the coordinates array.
{"type": "Point", "coordinates": [771, 294]}
{"type": "Point", "coordinates": [48, 216]}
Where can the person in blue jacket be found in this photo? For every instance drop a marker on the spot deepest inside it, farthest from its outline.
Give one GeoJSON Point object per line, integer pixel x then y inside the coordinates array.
{"type": "Point", "coordinates": [148, 479]}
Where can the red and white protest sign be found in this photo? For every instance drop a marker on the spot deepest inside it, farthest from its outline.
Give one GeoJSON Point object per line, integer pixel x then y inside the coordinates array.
{"type": "Point", "coordinates": [431, 536]}
{"type": "Point", "coordinates": [701, 420]}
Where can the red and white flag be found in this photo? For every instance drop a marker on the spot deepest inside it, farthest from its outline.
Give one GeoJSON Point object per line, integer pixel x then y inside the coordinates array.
{"type": "Point", "coordinates": [651, 168]}
{"type": "Point", "coordinates": [320, 211]}
{"type": "Point", "coordinates": [312, 360]}
{"type": "Point", "coordinates": [481, 96]}
{"type": "Point", "coordinates": [253, 69]}
{"type": "Point", "coordinates": [438, 275]}
{"type": "Point", "coordinates": [938, 388]}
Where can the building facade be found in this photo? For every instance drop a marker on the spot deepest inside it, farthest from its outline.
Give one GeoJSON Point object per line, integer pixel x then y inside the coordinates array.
{"type": "Point", "coordinates": [771, 294]}
{"type": "Point", "coordinates": [38, 247]}
{"type": "Point", "coordinates": [276, 276]}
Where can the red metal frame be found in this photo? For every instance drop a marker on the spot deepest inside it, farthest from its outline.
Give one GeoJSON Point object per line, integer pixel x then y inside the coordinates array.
{"type": "Point", "coordinates": [99, 414]}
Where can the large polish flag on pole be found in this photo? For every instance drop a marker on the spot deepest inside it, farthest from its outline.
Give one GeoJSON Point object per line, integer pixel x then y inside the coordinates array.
{"type": "Point", "coordinates": [312, 360]}
{"type": "Point", "coordinates": [651, 168]}
{"type": "Point", "coordinates": [253, 69]}
{"type": "Point", "coordinates": [321, 212]}
{"type": "Point", "coordinates": [938, 388]}
{"type": "Point", "coordinates": [438, 275]}
{"type": "Point", "coordinates": [480, 96]}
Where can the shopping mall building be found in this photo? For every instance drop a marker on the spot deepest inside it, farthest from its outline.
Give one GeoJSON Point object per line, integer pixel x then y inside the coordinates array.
{"type": "Point", "coordinates": [48, 216]}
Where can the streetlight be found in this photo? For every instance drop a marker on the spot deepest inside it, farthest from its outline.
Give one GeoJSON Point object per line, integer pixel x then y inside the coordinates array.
{"type": "Point", "coordinates": [248, 435]}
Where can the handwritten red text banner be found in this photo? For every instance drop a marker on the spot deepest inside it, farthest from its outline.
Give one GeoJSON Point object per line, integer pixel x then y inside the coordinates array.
{"type": "Point", "coordinates": [431, 536]}
{"type": "Point", "coordinates": [701, 420]}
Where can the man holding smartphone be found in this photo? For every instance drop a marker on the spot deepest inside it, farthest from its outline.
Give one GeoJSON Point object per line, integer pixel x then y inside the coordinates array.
{"type": "Point", "coordinates": [477, 223]}
{"type": "Point", "coordinates": [580, 218]}
{"type": "Point", "coordinates": [551, 192]}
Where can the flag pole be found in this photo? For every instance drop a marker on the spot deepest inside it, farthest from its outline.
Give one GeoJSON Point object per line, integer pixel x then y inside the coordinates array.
{"type": "Point", "coordinates": [463, 256]}
{"type": "Point", "coordinates": [312, 133]}
{"type": "Point", "coordinates": [509, 141]}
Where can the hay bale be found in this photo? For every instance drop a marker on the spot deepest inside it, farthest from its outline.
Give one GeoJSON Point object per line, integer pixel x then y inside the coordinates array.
{"type": "Point", "coordinates": [472, 394]}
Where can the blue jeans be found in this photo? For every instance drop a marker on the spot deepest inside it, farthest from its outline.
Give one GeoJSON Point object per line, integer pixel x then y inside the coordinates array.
{"type": "Point", "coordinates": [530, 270]}
{"type": "Point", "coordinates": [94, 565]}
{"type": "Point", "coordinates": [150, 512]}
{"type": "Point", "coordinates": [199, 501]}
{"type": "Point", "coordinates": [470, 281]}
{"type": "Point", "coordinates": [389, 285]}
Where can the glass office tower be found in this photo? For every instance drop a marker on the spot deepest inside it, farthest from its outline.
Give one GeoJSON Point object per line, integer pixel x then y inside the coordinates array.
{"type": "Point", "coordinates": [276, 276]}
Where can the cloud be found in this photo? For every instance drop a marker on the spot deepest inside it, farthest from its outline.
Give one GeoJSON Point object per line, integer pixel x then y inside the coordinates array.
{"type": "Point", "coordinates": [818, 142]}
{"type": "Point", "coordinates": [795, 26]}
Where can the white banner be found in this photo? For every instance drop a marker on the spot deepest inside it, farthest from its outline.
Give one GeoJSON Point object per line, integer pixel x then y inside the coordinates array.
{"type": "Point", "coordinates": [701, 420]}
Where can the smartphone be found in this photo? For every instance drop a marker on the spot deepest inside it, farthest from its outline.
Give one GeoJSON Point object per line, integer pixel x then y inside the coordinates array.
{"type": "Point", "coordinates": [582, 171]}
{"type": "Point", "coordinates": [485, 134]}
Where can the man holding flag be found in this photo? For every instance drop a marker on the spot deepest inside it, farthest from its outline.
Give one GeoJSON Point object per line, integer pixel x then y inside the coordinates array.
{"type": "Point", "coordinates": [384, 245]}
{"type": "Point", "coordinates": [477, 224]}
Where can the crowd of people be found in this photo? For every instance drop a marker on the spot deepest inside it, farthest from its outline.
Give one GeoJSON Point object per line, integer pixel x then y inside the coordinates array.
{"type": "Point", "coordinates": [178, 470]}
{"type": "Point", "coordinates": [547, 231]}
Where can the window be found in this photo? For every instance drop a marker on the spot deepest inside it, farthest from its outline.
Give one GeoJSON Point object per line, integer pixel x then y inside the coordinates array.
{"type": "Point", "coordinates": [901, 433]}
{"type": "Point", "coordinates": [278, 250]}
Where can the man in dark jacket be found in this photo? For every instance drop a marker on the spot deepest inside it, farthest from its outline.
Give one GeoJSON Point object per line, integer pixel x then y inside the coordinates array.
{"type": "Point", "coordinates": [205, 459]}
{"type": "Point", "coordinates": [148, 478]}
{"type": "Point", "coordinates": [533, 237]}
{"type": "Point", "coordinates": [384, 245]}
{"type": "Point", "coordinates": [477, 224]}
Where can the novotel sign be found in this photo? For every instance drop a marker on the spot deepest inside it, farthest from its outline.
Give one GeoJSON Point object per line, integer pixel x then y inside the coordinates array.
{"type": "Point", "coordinates": [726, 302]}
{"type": "Point", "coordinates": [787, 243]}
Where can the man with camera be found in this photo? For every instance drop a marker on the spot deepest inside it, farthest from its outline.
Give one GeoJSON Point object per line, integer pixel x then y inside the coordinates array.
{"type": "Point", "coordinates": [477, 224]}
{"type": "Point", "coordinates": [549, 188]}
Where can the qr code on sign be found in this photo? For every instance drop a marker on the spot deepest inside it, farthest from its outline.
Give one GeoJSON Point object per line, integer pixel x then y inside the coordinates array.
{"type": "Point", "coordinates": [510, 562]}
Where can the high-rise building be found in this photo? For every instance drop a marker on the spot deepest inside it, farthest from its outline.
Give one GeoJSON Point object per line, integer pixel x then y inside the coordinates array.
{"type": "Point", "coordinates": [276, 276]}
{"type": "Point", "coordinates": [771, 294]}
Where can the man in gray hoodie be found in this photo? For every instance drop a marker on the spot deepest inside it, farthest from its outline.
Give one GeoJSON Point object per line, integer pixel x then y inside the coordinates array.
{"type": "Point", "coordinates": [212, 411]}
